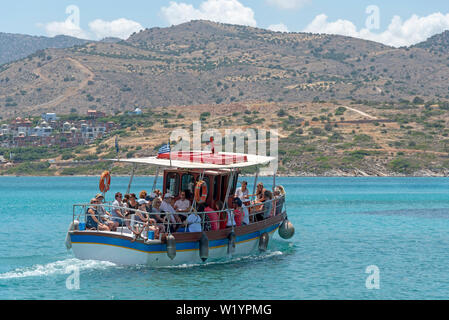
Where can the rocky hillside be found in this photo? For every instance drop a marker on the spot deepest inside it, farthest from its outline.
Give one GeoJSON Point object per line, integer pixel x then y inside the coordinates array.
{"type": "Point", "coordinates": [17, 46]}
{"type": "Point", "coordinates": [209, 63]}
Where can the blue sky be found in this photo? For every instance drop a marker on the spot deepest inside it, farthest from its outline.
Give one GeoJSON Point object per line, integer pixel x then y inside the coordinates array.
{"type": "Point", "coordinates": [47, 17]}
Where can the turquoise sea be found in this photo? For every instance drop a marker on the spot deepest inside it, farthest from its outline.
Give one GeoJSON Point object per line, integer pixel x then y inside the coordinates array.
{"type": "Point", "coordinates": [343, 225]}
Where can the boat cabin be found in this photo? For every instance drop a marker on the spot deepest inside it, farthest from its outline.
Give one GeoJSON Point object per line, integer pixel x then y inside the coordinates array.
{"type": "Point", "coordinates": [178, 180]}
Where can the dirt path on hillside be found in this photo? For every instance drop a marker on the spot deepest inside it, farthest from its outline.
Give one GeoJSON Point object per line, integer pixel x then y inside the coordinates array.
{"type": "Point", "coordinates": [393, 150]}
{"type": "Point", "coordinates": [361, 113]}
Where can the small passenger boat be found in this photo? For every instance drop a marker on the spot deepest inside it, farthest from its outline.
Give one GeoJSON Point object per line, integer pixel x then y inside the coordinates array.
{"type": "Point", "coordinates": [208, 178]}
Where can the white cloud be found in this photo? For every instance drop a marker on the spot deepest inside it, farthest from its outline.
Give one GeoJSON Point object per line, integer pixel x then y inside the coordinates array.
{"type": "Point", "coordinates": [399, 33]}
{"type": "Point", "coordinates": [98, 29]}
{"type": "Point", "coordinates": [288, 4]}
{"type": "Point", "coordinates": [278, 27]}
{"type": "Point", "coordinates": [224, 11]}
{"type": "Point", "coordinates": [67, 28]}
{"type": "Point", "coordinates": [120, 28]}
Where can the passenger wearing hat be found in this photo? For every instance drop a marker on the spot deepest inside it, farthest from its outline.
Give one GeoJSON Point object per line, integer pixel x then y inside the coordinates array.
{"type": "Point", "coordinates": [94, 220]}
{"type": "Point", "coordinates": [105, 215]}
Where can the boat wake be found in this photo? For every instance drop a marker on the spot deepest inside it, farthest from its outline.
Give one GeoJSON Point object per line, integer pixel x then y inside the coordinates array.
{"type": "Point", "coordinates": [266, 255]}
{"type": "Point", "coordinates": [56, 268]}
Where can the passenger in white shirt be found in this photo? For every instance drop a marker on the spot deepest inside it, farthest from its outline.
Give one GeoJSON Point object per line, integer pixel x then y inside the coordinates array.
{"type": "Point", "coordinates": [183, 204]}
{"type": "Point", "coordinates": [242, 193]}
{"type": "Point", "coordinates": [167, 207]}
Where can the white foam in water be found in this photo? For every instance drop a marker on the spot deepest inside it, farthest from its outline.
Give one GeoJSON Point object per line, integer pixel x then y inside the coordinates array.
{"type": "Point", "coordinates": [54, 268]}
{"type": "Point", "coordinates": [232, 260]}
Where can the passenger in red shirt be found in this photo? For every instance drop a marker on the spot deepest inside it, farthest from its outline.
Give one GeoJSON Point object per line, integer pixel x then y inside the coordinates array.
{"type": "Point", "coordinates": [238, 211]}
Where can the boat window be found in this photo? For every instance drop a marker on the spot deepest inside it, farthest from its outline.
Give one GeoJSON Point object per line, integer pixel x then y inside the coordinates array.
{"type": "Point", "coordinates": [224, 187]}
{"type": "Point", "coordinates": [188, 185]}
{"type": "Point", "coordinates": [215, 194]}
{"type": "Point", "coordinates": [234, 184]}
{"type": "Point", "coordinates": [172, 184]}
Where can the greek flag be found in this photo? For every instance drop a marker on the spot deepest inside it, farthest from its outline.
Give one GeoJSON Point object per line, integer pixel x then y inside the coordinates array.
{"type": "Point", "coordinates": [164, 149]}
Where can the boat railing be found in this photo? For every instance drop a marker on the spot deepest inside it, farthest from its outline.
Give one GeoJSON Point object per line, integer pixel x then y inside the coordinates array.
{"type": "Point", "coordinates": [215, 220]}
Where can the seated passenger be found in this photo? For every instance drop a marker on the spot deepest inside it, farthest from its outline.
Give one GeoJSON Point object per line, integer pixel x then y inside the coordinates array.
{"type": "Point", "coordinates": [94, 221]}
{"type": "Point", "coordinates": [104, 214]}
{"type": "Point", "coordinates": [118, 215]}
{"type": "Point", "coordinates": [192, 223]}
{"type": "Point", "coordinates": [213, 218]}
{"type": "Point", "coordinates": [201, 210]}
{"type": "Point", "coordinates": [238, 212]}
{"type": "Point", "coordinates": [268, 204]}
{"type": "Point", "coordinates": [183, 204]}
{"type": "Point", "coordinates": [230, 219]}
{"type": "Point", "coordinates": [242, 193]}
{"type": "Point", "coordinates": [260, 192]}
{"type": "Point", "coordinates": [166, 207]}
{"type": "Point", "coordinates": [158, 193]}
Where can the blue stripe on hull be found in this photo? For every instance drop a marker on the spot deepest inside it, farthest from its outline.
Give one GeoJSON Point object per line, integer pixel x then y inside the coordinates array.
{"type": "Point", "coordinates": [157, 248]}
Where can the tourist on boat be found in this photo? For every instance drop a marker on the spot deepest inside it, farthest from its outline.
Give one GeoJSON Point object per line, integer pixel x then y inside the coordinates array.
{"type": "Point", "coordinates": [238, 211]}
{"type": "Point", "coordinates": [166, 207]}
{"type": "Point", "coordinates": [204, 217]}
{"type": "Point", "coordinates": [193, 222]}
{"type": "Point", "coordinates": [151, 197]}
{"type": "Point", "coordinates": [104, 213]}
{"type": "Point", "coordinates": [242, 193]}
{"type": "Point", "coordinates": [245, 214]}
{"type": "Point", "coordinates": [183, 204]}
{"type": "Point", "coordinates": [132, 203]}
{"type": "Point", "coordinates": [260, 192]}
{"type": "Point", "coordinates": [268, 204]}
{"type": "Point", "coordinates": [156, 210]}
{"type": "Point", "coordinates": [279, 195]}
{"type": "Point", "coordinates": [118, 215]}
{"type": "Point", "coordinates": [142, 215]}
{"type": "Point", "coordinates": [158, 193]}
{"type": "Point", "coordinates": [213, 217]}
{"type": "Point", "coordinates": [230, 219]}
{"type": "Point", "coordinates": [94, 220]}
{"type": "Point", "coordinates": [125, 200]}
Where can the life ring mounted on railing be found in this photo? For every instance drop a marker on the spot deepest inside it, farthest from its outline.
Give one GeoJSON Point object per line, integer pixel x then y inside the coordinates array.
{"type": "Point", "coordinates": [105, 181]}
{"type": "Point", "coordinates": [201, 192]}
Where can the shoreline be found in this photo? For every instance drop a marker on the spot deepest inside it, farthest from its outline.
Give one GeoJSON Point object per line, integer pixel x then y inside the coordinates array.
{"type": "Point", "coordinates": [300, 175]}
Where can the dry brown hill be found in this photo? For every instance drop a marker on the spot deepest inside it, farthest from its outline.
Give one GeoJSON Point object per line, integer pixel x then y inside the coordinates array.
{"type": "Point", "coordinates": [209, 63]}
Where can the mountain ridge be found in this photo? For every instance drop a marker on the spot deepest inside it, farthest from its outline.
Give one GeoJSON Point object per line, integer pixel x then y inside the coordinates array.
{"type": "Point", "coordinates": [202, 62]}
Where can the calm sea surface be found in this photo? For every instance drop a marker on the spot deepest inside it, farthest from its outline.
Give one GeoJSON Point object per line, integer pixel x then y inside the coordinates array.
{"type": "Point", "coordinates": [343, 225]}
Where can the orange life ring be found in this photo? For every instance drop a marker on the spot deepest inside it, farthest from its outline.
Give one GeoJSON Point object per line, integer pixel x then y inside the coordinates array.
{"type": "Point", "coordinates": [201, 192]}
{"type": "Point", "coordinates": [105, 181]}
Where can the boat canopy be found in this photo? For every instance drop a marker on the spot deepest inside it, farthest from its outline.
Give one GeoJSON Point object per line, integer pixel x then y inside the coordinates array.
{"type": "Point", "coordinates": [203, 162]}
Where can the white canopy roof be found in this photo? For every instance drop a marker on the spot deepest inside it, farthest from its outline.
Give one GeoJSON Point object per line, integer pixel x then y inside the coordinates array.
{"type": "Point", "coordinates": [253, 160]}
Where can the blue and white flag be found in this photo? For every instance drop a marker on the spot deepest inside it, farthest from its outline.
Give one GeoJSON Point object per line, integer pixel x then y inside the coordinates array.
{"type": "Point", "coordinates": [164, 149]}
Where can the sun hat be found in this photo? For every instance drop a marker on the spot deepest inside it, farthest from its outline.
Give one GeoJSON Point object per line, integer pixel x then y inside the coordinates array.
{"type": "Point", "coordinates": [168, 195]}
{"type": "Point", "coordinates": [142, 201]}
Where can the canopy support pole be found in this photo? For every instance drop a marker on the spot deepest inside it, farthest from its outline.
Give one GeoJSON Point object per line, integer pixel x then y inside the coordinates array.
{"type": "Point", "coordinates": [155, 178]}
{"type": "Point", "coordinates": [231, 180]}
{"type": "Point", "coordinates": [131, 179]}
{"type": "Point", "coordinates": [255, 181]}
